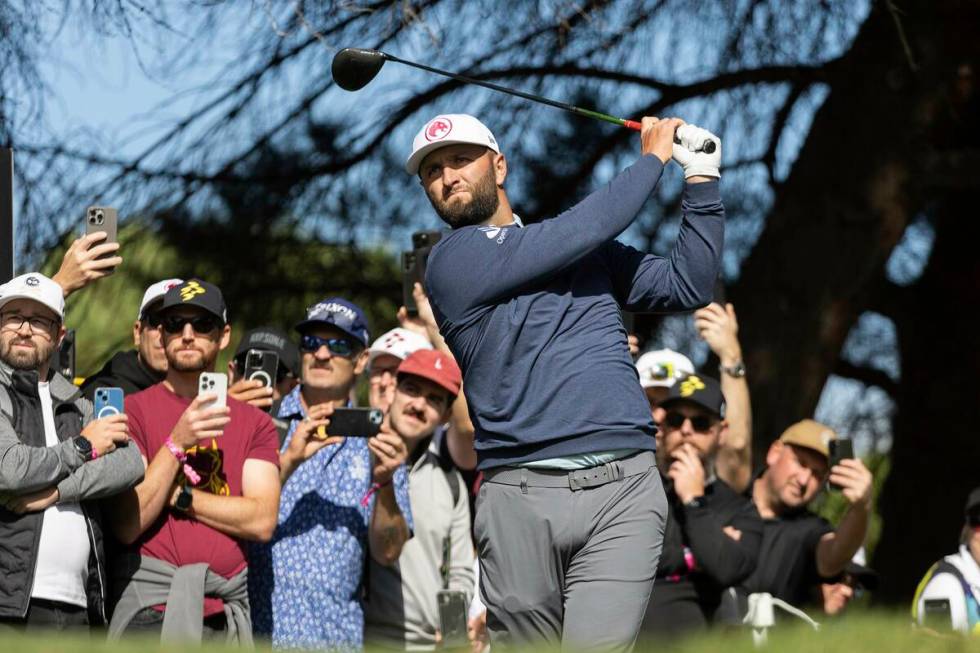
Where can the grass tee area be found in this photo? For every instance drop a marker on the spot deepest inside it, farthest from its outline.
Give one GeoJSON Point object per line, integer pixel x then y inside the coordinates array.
{"type": "Point", "coordinates": [860, 632]}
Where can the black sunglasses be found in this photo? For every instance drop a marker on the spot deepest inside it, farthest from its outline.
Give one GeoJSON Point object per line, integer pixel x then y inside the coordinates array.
{"type": "Point", "coordinates": [700, 423]}
{"type": "Point", "coordinates": [200, 324]}
{"type": "Point", "coordinates": [336, 346]}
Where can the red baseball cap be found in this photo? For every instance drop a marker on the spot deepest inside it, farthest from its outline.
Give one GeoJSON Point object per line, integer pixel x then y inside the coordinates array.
{"type": "Point", "coordinates": [434, 366]}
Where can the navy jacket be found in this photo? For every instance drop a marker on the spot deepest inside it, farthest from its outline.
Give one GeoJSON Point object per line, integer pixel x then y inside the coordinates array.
{"type": "Point", "coordinates": [533, 317]}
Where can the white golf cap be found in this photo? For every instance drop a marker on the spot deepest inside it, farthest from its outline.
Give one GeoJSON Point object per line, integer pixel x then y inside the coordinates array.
{"type": "Point", "coordinates": [38, 287]}
{"type": "Point", "coordinates": [661, 368]}
{"type": "Point", "coordinates": [448, 129]}
{"type": "Point", "coordinates": [399, 342]}
{"type": "Point", "coordinates": [156, 292]}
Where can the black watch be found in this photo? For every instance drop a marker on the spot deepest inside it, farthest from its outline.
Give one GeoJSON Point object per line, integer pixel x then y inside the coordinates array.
{"type": "Point", "coordinates": [184, 499]}
{"type": "Point", "coordinates": [696, 502]}
{"type": "Point", "coordinates": [736, 371]}
{"type": "Point", "coordinates": [83, 447]}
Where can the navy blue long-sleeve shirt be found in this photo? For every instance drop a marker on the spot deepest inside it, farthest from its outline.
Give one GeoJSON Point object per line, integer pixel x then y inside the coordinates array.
{"type": "Point", "coordinates": [532, 317]}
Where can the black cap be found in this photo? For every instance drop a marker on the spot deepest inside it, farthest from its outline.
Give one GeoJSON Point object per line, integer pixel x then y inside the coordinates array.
{"type": "Point", "coordinates": [274, 340]}
{"type": "Point", "coordinates": [697, 389]}
{"type": "Point", "coordinates": [195, 292]}
{"type": "Point", "coordinates": [973, 502]}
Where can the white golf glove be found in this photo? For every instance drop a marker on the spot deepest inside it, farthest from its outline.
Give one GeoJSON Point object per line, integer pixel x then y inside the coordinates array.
{"type": "Point", "coordinates": [697, 163]}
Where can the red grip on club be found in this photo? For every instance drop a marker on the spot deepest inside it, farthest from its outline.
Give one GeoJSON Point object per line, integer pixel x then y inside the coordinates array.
{"type": "Point", "coordinates": [632, 124]}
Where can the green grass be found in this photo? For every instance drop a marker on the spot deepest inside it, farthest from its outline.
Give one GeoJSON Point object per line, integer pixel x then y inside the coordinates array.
{"type": "Point", "coordinates": [876, 633]}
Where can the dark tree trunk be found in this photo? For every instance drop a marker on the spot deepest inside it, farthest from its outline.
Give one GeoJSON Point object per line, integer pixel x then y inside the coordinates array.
{"type": "Point", "coordinates": [857, 184]}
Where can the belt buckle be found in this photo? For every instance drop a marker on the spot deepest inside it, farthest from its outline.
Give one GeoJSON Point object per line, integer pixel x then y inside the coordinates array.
{"type": "Point", "coordinates": [595, 476]}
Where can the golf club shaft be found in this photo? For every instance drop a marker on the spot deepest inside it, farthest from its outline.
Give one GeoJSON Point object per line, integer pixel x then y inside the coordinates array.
{"type": "Point", "coordinates": [629, 124]}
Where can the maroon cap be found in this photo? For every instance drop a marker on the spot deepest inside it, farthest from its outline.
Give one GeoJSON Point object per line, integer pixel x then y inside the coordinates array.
{"type": "Point", "coordinates": [435, 366]}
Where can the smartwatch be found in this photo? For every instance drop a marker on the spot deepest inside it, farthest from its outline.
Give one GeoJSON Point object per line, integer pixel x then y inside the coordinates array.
{"type": "Point", "coordinates": [696, 502]}
{"type": "Point", "coordinates": [184, 499]}
{"type": "Point", "coordinates": [735, 371]}
{"type": "Point", "coordinates": [83, 447]}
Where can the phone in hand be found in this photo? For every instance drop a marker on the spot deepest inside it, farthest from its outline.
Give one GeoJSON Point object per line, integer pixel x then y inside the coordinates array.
{"type": "Point", "coordinates": [936, 614]}
{"type": "Point", "coordinates": [452, 618]}
{"type": "Point", "coordinates": [102, 218]}
{"type": "Point", "coordinates": [261, 366]}
{"type": "Point", "coordinates": [353, 423]}
{"type": "Point", "coordinates": [108, 401]}
{"type": "Point", "coordinates": [413, 266]}
{"type": "Point", "coordinates": [214, 383]}
{"type": "Point", "coordinates": [840, 449]}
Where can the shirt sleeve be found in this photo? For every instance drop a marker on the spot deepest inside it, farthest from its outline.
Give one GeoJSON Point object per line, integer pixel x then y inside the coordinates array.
{"type": "Point", "coordinates": [265, 441]}
{"type": "Point", "coordinates": [400, 482]}
{"type": "Point", "coordinates": [728, 561]}
{"type": "Point", "coordinates": [684, 280]}
{"type": "Point", "coordinates": [474, 267]}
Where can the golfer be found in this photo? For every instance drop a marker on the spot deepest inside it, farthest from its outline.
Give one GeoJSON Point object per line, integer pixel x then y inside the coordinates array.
{"type": "Point", "coordinates": [570, 520]}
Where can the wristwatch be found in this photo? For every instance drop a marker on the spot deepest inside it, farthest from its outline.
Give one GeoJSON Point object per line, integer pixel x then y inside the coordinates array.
{"type": "Point", "coordinates": [696, 502]}
{"type": "Point", "coordinates": [736, 371]}
{"type": "Point", "coordinates": [83, 447]}
{"type": "Point", "coordinates": [184, 499]}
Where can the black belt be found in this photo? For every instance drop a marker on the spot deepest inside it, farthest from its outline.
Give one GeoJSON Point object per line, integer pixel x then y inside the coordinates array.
{"type": "Point", "coordinates": [577, 479]}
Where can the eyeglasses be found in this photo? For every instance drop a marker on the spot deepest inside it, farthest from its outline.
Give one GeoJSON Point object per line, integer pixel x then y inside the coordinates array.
{"type": "Point", "coordinates": [15, 321]}
{"type": "Point", "coordinates": [700, 423]}
{"type": "Point", "coordinates": [336, 346]}
{"type": "Point", "coordinates": [200, 324]}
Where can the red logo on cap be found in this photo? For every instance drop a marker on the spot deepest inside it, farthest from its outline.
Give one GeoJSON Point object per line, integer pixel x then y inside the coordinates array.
{"type": "Point", "coordinates": [438, 129]}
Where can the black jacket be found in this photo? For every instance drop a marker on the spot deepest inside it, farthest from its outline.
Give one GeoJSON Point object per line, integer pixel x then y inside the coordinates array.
{"type": "Point", "coordinates": [124, 370]}
{"type": "Point", "coordinates": [45, 466]}
{"type": "Point", "coordinates": [683, 598]}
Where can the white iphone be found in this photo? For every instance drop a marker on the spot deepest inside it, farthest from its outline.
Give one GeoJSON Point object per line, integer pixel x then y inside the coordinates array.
{"type": "Point", "coordinates": [214, 383]}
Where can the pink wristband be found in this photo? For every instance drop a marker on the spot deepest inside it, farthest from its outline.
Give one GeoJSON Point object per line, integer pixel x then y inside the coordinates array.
{"type": "Point", "coordinates": [95, 454]}
{"type": "Point", "coordinates": [366, 499]}
{"type": "Point", "coordinates": [181, 457]}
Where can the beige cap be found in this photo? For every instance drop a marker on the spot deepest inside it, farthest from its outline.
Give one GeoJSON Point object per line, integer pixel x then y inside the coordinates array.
{"type": "Point", "coordinates": [810, 434]}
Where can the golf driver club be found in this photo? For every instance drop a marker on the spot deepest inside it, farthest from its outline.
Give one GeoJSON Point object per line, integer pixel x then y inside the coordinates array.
{"type": "Point", "coordinates": [354, 68]}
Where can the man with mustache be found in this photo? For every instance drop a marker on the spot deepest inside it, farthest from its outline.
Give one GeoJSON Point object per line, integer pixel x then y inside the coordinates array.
{"type": "Point", "coordinates": [342, 498]}
{"type": "Point", "coordinates": [401, 608]}
{"type": "Point", "coordinates": [211, 484]}
{"type": "Point", "coordinates": [55, 461]}
{"type": "Point", "coordinates": [564, 433]}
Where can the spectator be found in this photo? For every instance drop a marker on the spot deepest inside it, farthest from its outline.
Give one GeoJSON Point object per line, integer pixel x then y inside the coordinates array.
{"type": "Point", "coordinates": [349, 499]}
{"type": "Point", "coordinates": [718, 327]}
{"type": "Point", "coordinates": [401, 608]}
{"type": "Point", "coordinates": [137, 369]}
{"type": "Point", "coordinates": [55, 462]}
{"type": "Point", "coordinates": [551, 384]}
{"type": "Point", "coordinates": [712, 537]}
{"type": "Point", "coordinates": [800, 549]}
{"type": "Point", "coordinates": [211, 484]}
{"type": "Point", "coordinates": [855, 579]}
{"type": "Point", "coordinates": [950, 590]}
{"type": "Point", "coordinates": [384, 357]}
{"type": "Point", "coordinates": [254, 391]}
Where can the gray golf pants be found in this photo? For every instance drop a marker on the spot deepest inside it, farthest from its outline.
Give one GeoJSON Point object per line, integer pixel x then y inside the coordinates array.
{"type": "Point", "coordinates": [569, 558]}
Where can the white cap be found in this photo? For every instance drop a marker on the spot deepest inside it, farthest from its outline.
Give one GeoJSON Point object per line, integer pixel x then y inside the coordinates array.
{"type": "Point", "coordinates": [659, 369]}
{"type": "Point", "coordinates": [398, 342]}
{"type": "Point", "coordinates": [38, 287]}
{"type": "Point", "coordinates": [448, 129]}
{"type": "Point", "coordinates": [155, 292]}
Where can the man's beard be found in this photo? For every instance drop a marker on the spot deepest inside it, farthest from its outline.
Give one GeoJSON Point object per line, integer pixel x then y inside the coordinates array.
{"type": "Point", "coordinates": [481, 207]}
{"type": "Point", "coordinates": [24, 360]}
{"type": "Point", "coordinates": [201, 365]}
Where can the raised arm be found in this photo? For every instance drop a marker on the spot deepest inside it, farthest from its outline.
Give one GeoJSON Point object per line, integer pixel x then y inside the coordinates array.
{"type": "Point", "coordinates": [389, 529]}
{"type": "Point", "coordinates": [457, 276]}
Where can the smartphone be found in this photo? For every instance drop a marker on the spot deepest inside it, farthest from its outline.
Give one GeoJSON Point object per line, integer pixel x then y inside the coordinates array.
{"type": "Point", "coordinates": [63, 356]}
{"type": "Point", "coordinates": [102, 218]}
{"type": "Point", "coordinates": [413, 265]}
{"type": "Point", "coordinates": [214, 383]}
{"type": "Point", "coordinates": [261, 366]}
{"type": "Point", "coordinates": [937, 615]}
{"type": "Point", "coordinates": [840, 449]}
{"type": "Point", "coordinates": [108, 401]}
{"type": "Point", "coordinates": [452, 618]}
{"type": "Point", "coordinates": [353, 423]}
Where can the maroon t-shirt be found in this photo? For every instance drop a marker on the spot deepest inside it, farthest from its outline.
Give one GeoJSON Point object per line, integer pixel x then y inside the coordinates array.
{"type": "Point", "coordinates": [174, 537]}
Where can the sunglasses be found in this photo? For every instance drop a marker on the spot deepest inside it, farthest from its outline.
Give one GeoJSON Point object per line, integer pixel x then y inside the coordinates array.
{"type": "Point", "coordinates": [336, 346]}
{"type": "Point", "coordinates": [700, 423]}
{"type": "Point", "coordinates": [200, 324]}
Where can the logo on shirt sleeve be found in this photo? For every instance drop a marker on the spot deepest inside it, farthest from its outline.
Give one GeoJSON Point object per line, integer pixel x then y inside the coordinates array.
{"type": "Point", "coordinates": [491, 232]}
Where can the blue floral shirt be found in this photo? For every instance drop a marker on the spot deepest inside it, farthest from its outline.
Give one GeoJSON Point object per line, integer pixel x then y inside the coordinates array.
{"type": "Point", "coordinates": [304, 585]}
